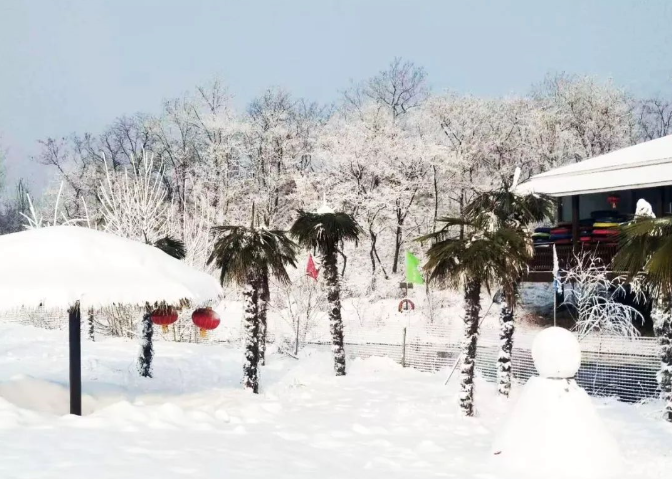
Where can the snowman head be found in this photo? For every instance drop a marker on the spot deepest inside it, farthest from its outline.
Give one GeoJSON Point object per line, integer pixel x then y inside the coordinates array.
{"type": "Point", "coordinates": [556, 353]}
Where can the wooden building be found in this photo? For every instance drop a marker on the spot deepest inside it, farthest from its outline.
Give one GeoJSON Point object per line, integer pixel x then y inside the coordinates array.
{"type": "Point", "coordinates": [613, 182]}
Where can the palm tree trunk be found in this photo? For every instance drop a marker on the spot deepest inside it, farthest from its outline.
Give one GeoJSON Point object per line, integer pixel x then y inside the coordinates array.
{"type": "Point", "coordinates": [92, 336]}
{"type": "Point", "coordinates": [662, 323]}
{"type": "Point", "coordinates": [264, 297]}
{"type": "Point", "coordinates": [252, 340]}
{"type": "Point", "coordinates": [146, 346]}
{"type": "Point", "coordinates": [335, 319]}
{"type": "Point", "coordinates": [506, 329]}
{"type": "Point", "coordinates": [472, 307]}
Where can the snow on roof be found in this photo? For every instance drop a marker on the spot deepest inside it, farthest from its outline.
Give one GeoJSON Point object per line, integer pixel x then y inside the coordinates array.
{"type": "Point", "coordinates": [645, 165]}
{"type": "Point", "coordinates": [57, 266]}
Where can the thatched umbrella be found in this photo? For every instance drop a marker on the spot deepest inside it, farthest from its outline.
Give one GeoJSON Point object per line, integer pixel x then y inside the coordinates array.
{"type": "Point", "coordinates": [69, 267]}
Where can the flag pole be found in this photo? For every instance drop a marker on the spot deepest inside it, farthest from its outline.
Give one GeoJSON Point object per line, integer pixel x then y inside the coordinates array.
{"type": "Point", "coordinates": [555, 306]}
{"type": "Point", "coordinates": [556, 284]}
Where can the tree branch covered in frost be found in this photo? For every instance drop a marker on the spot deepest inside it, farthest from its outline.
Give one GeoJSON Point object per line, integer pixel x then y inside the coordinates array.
{"type": "Point", "coordinates": [301, 305]}
{"type": "Point", "coordinates": [594, 298]}
{"type": "Point", "coordinates": [133, 203]}
{"type": "Point", "coordinates": [36, 220]}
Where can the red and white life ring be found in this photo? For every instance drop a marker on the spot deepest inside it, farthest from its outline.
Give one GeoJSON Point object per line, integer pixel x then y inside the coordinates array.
{"type": "Point", "coordinates": [406, 305]}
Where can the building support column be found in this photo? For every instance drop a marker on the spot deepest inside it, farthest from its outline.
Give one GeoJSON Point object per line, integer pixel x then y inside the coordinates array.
{"type": "Point", "coordinates": [576, 238]}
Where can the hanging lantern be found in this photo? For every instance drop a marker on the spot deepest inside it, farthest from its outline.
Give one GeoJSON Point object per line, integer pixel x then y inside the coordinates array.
{"type": "Point", "coordinates": [614, 200]}
{"type": "Point", "coordinates": [205, 319]}
{"type": "Point", "coordinates": [164, 317]}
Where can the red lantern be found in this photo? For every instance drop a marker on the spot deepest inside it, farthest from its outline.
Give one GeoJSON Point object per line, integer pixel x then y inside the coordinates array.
{"type": "Point", "coordinates": [614, 200]}
{"type": "Point", "coordinates": [164, 317]}
{"type": "Point", "coordinates": [205, 319]}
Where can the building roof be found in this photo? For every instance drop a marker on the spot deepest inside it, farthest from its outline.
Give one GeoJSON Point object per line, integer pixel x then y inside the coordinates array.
{"type": "Point", "coordinates": [644, 165]}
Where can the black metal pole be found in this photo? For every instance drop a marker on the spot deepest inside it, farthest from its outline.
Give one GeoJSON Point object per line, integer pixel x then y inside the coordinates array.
{"type": "Point", "coordinates": [75, 360]}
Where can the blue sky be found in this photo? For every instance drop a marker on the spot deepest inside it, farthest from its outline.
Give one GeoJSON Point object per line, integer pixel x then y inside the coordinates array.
{"type": "Point", "coordinates": [75, 65]}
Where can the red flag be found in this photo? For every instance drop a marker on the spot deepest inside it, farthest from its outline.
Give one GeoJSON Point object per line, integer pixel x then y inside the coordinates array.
{"type": "Point", "coordinates": [311, 270]}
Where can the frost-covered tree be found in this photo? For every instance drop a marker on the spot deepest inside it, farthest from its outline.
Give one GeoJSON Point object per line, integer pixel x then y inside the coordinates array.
{"type": "Point", "coordinates": [401, 87]}
{"type": "Point", "coordinates": [133, 202]}
{"type": "Point", "coordinates": [324, 231]}
{"type": "Point", "coordinates": [654, 118]}
{"type": "Point", "coordinates": [589, 116]}
{"type": "Point", "coordinates": [381, 106]}
{"type": "Point", "coordinates": [354, 152]}
{"type": "Point", "coordinates": [379, 167]}
{"type": "Point", "coordinates": [279, 141]}
{"type": "Point", "coordinates": [220, 142]}
{"type": "Point", "coordinates": [472, 254]}
{"type": "Point", "coordinates": [646, 253]}
{"type": "Point", "coordinates": [247, 256]}
{"type": "Point", "coordinates": [14, 209]}
{"type": "Point", "coordinates": [461, 125]}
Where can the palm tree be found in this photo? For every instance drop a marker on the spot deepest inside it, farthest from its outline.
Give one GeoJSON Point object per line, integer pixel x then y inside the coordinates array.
{"type": "Point", "coordinates": [471, 254]}
{"type": "Point", "coordinates": [324, 231]}
{"type": "Point", "coordinates": [245, 255]}
{"type": "Point", "coordinates": [646, 254]}
{"type": "Point", "coordinates": [515, 212]}
{"type": "Point", "coordinates": [172, 247]}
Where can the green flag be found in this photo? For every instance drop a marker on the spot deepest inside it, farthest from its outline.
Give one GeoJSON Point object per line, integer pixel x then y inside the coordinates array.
{"type": "Point", "coordinates": [413, 274]}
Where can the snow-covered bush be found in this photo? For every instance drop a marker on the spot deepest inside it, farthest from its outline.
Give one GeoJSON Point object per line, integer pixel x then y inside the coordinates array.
{"type": "Point", "coordinates": [301, 305]}
{"type": "Point", "coordinates": [595, 299]}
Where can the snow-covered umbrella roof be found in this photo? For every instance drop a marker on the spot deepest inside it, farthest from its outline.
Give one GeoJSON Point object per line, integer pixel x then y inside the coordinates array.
{"type": "Point", "coordinates": [58, 266]}
{"type": "Point", "coordinates": [644, 165]}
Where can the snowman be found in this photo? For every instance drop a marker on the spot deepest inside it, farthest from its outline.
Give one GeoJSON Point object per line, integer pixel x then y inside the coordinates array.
{"type": "Point", "coordinates": [554, 430]}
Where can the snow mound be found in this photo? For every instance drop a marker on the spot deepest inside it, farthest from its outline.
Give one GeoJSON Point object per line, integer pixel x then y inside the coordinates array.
{"type": "Point", "coordinates": [374, 364]}
{"type": "Point", "coordinates": [556, 353]}
{"type": "Point", "coordinates": [57, 266]}
{"type": "Point", "coordinates": [555, 432]}
{"type": "Point", "coordinates": [41, 396]}
{"type": "Point", "coordinates": [324, 209]}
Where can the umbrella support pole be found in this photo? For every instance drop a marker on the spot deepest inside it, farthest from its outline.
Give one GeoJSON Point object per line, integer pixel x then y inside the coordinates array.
{"type": "Point", "coordinates": [74, 326]}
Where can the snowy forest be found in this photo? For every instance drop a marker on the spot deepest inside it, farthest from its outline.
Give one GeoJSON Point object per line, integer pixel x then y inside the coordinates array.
{"type": "Point", "coordinates": [391, 151]}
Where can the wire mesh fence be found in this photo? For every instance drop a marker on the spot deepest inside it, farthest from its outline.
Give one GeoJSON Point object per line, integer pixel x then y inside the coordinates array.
{"type": "Point", "coordinates": [611, 366]}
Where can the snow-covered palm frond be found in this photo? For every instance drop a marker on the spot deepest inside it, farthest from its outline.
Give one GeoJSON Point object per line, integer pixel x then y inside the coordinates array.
{"type": "Point", "coordinates": [510, 208]}
{"type": "Point", "coordinates": [241, 250]}
{"type": "Point", "coordinates": [324, 231]}
{"type": "Point", "coordinates": [646, 249]}
{"type": "Point", "coordinates": [171, 246]}
{"type": "Point", "coordinates": [492, 257]}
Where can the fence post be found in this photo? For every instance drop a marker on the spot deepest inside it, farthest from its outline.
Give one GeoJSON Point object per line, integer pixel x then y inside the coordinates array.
{"type": "Point", "coordinates": [403, 350]}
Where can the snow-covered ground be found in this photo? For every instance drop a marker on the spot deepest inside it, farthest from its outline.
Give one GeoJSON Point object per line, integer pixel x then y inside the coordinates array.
{"type": "Point", "coordinates": [194, 420]}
